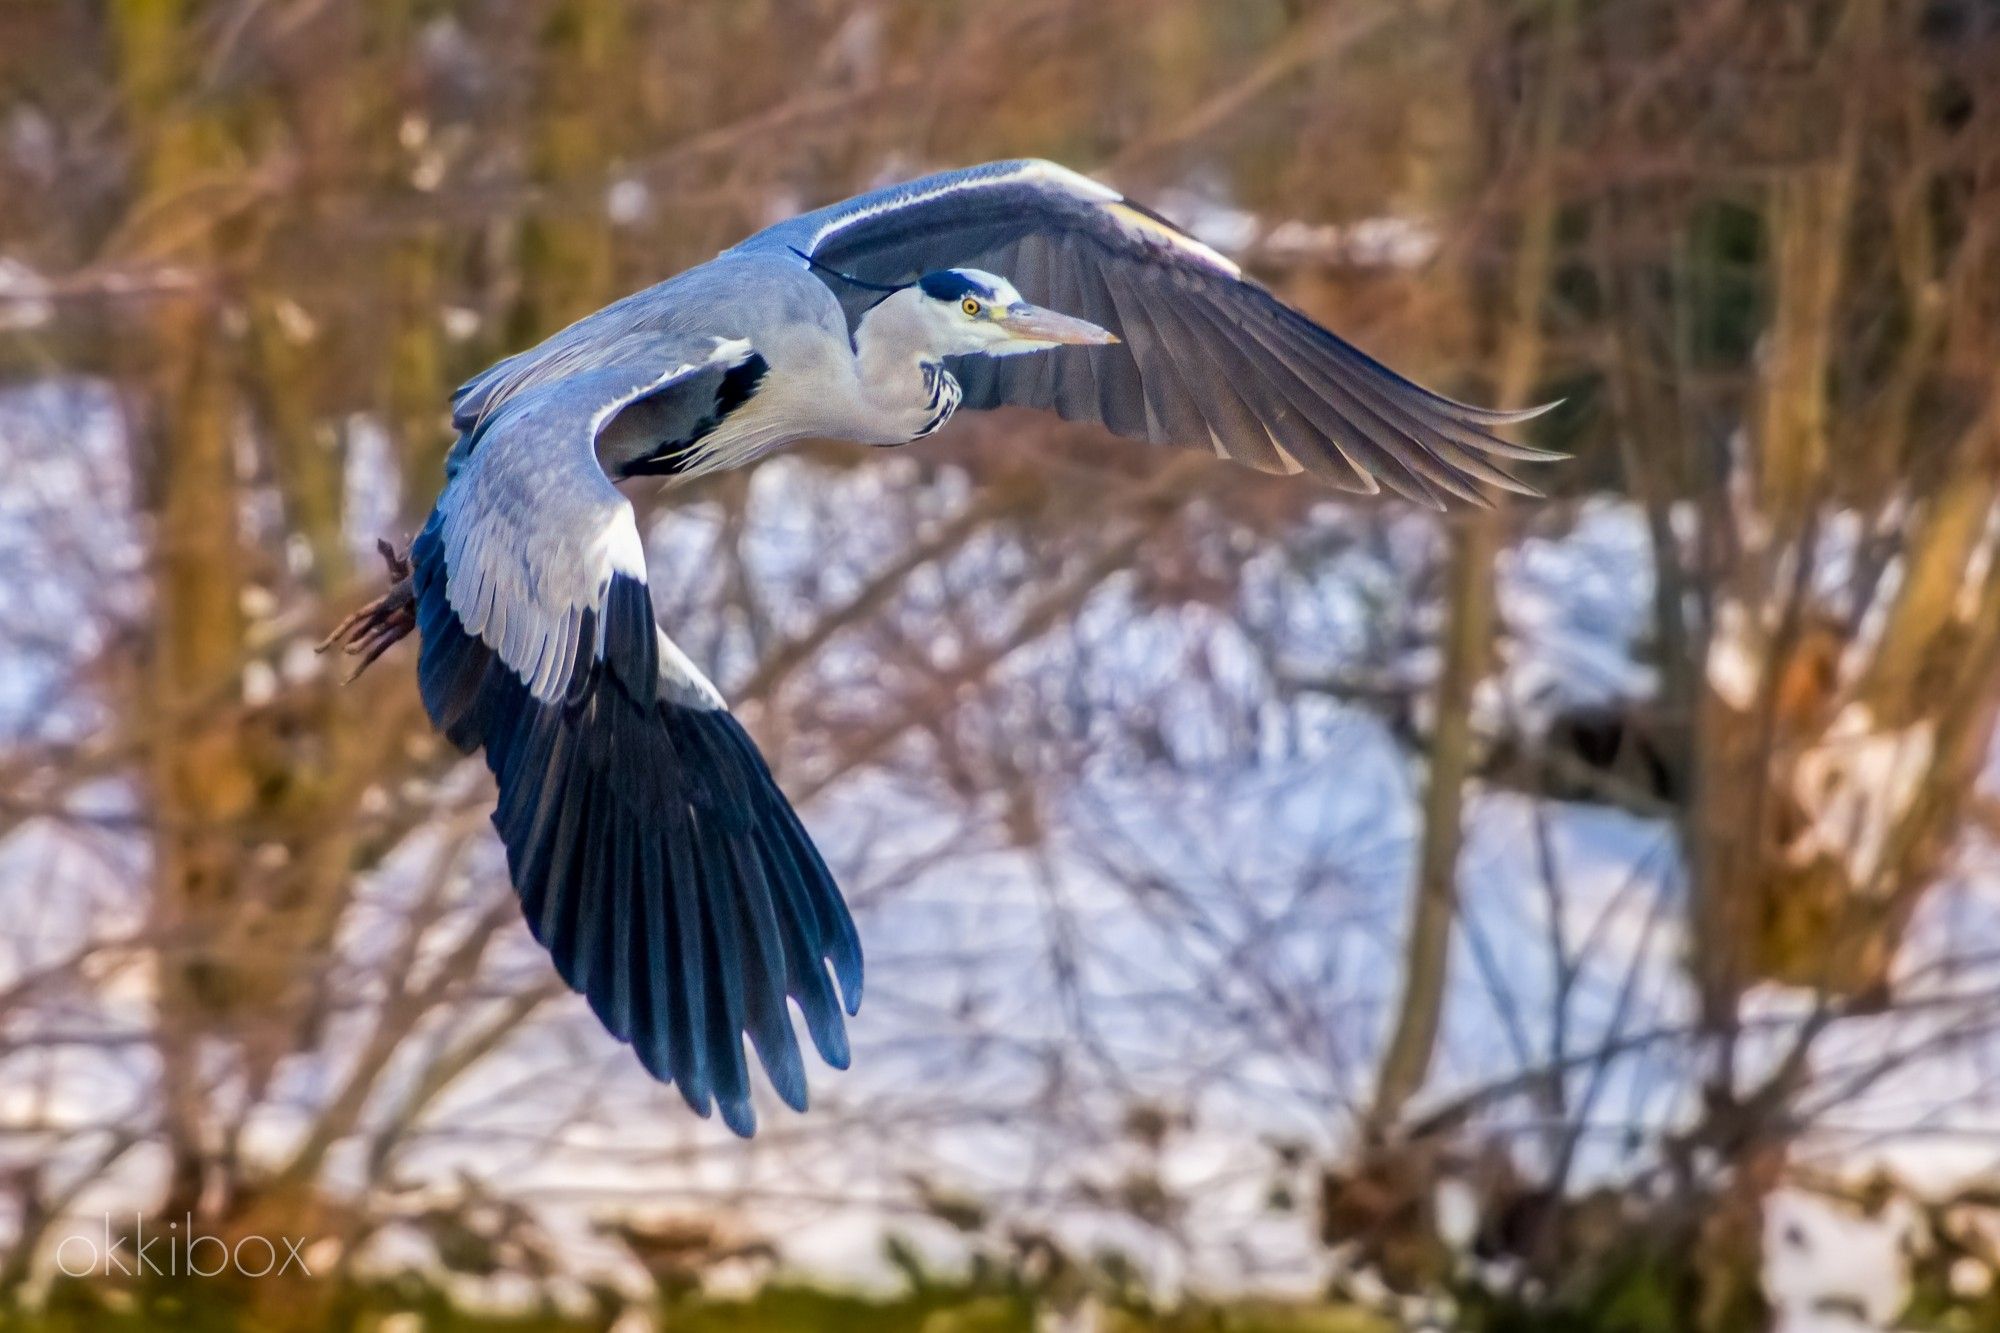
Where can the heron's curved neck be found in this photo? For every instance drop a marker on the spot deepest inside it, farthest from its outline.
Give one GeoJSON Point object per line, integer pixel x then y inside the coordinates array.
{"type": "Point", "coordinates": [891, 343]}
{"type": "Point", "coordinates": [899, 369]}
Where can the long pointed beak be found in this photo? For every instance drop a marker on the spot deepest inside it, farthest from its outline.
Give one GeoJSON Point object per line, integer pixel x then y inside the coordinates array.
{"type": "Point", "coordinates": [1031, 323]}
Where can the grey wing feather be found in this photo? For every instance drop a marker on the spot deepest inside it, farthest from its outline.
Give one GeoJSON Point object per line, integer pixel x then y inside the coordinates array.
{"type": "Point", "coordinates": [531, 527]}
{"type": "Point", "coordinates": [1209, 358]}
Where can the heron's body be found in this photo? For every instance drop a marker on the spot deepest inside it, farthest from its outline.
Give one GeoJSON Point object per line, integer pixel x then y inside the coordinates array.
{"type": "Point", "coordinates": [778, 308]}
{"type": "Point", "coordinates": [812, 376]}
{"type": "Point", "coordinates": [653, 854]}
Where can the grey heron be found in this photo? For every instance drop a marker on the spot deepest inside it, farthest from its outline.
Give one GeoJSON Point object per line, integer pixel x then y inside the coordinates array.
{"type": "Point", "coordinates": [653, 854]}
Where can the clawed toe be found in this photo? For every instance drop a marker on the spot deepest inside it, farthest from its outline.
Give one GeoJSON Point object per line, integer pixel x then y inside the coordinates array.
{"type": "Point", "coordinates": [378, 626]}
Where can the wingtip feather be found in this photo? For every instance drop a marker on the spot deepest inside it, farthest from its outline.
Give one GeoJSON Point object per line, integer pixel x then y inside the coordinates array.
{"type": "Point", "coordinates": [738, 1114]}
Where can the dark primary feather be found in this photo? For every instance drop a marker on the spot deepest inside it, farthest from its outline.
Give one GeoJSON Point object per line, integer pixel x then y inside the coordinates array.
{"type": "Point", "coordinates": [653, 854]}
{"type": "Point", "coordinates": [1208, 359]}
{"type": "Point", "coordinates": [644, 441]}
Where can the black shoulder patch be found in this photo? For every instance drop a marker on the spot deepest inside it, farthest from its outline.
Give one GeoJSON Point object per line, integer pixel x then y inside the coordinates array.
{"type": "Point", "coordinates": [735, 387]}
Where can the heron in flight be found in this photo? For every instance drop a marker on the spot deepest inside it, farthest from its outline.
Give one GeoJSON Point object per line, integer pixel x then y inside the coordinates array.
{"type": "Point", "coordinates": [653, 854]}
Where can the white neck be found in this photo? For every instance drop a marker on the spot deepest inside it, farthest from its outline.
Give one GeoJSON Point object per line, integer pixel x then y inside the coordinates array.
{"type": "Point", "coordinates": [891, 345]}
{"type": "Point", "coordinates": [891, 342]}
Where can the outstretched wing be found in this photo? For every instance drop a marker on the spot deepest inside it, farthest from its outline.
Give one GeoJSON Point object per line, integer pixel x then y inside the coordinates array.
{"type": "Point", "coordinates": [654, 855]}
{"type": "Point", "coordinates": [1208, 359]}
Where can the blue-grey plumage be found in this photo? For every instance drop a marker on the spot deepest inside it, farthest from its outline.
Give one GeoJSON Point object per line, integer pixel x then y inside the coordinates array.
{"type": "Point", "coordinates": [653, 853]}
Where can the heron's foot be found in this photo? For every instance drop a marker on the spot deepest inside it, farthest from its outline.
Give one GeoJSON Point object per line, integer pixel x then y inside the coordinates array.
{"type": "Point", "coordinates": [378, 626]}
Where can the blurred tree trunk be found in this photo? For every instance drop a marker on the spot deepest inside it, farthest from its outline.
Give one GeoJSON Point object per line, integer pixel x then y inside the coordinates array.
{"type": "Point", "coordinates": [1514, 343]}
{"type": "Point", "coordinates": [201, 781]}
{"type": "Point", "coordinates": [1828, 800]}
{"type": "Point", "coordinates": [416, 385]}
{"type": "Point", "coordinates": [582, 93]}
{"type": "Point", "coordinates": [253, 801]}
{"type": "Point", "coordinates": [417, 392]}
{"type": "Point", "coordinates": [1468, 651]}
{"type": "Point", "coordinates": [1811, 223]}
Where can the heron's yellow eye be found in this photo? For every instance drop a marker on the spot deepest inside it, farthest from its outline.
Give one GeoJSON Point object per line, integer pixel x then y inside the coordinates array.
{"type": "Point", "coordinates": [971, 307]}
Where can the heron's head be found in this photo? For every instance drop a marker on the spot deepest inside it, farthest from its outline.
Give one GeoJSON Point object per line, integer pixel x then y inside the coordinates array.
{"type": "Point", "coordinates": [972, 311]}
